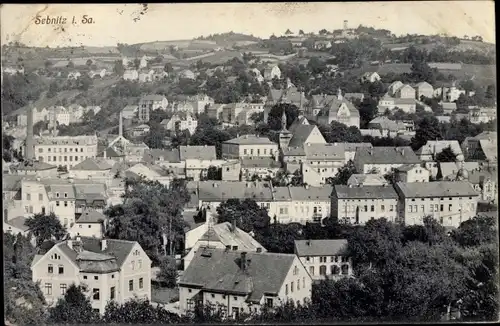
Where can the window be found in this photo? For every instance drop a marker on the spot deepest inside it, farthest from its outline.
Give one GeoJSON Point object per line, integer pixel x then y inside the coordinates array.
{"type": "Point", "coordinates": [304, 282]}
{"type": "Point", "coordinates": [382, 208]}
{"type": "Point", "coordinates": [84, 277]}
{"type": "Point", "coordinates": [307, 258]}
{"type": "Point", "coordinates": [63, 289]}
{"type": "Point", "coordinates": [61, 269]}
{"type": "Point", "coordinates": [449, 207]}
{"type": "Point", "coordinates": [141, 283]}
{"type": "Point", "coordinates": [96, 277]}
{"type": "Point", "coordinates": [298, 284]}
{"type": "Point", "coordinates": [133, 265]}
{"type": "Point", "coordinates": [40, 197]}
{"type": "Point", "coordinates": [410, 209]}
{"type": "Point", "coordinates": [366, 208]}
{"type": "Point", "coordinates": [50, 269]}
{"type": "Point", "coordinates": [422, 208]}
{"type": "Point", "coordinates": [235, 247]}
{"type": "Point", "coordinates": [372, 209]}
{"type": "Point", "coordinates": [291, 287]}
{"type": "Point", "coordinates": [48, 288]}
{"type": "Point", "coordinates": [28, 196]}
{"type": "Point", "coordinates": [269, 302]}
{"type": "Point", "coordinates": [441, 208]}
{"type": "Point", "coordinates": [65, 203]}
{"type": "Point", "coordinates": [140, 264]}
{"type": "Point", "coordinates": [295, 270]}
{"type": "Point", "coordinates": [65, 195]}
{"type": "Point", "coordinates": [286, 289]}
{"type": "Point", "coordinates": [244, 152]}
{"type": "Point", "coordinates": [311, 270]}
{"type": "Point", "coordinates": [95, 294]}
{"type": "Point", "coordinates": [336, 259]}
{"type": "Point", "coordinates": [131, 285]}
{"type": "Point", "coordinates": [335, 270]}
{"type": "Point", "coordinates": [345, 269]}
{"type": "Point", "coordinates": [392, 208]}
{"type": "Point", "coordinates": [322, 270]}
{"type": "Point", "coordinates": [235, 298]}
{"type": "Point", "coordinates": [57, 202]}
{"type": "Point", "coordinates": [212, 295]}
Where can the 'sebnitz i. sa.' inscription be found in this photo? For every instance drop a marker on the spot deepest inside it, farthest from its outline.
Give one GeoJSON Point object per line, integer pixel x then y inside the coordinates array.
{"type": "Point", "coordinates": [61, 20]}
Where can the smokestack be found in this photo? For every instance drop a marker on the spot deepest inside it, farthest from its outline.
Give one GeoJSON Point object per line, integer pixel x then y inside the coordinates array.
{"type": "Point", "coordinates": [29, 133]}
{"type": "Point", "coordinates": [120, 127]}
{"type": "Point", "coordinates": [243, 262]}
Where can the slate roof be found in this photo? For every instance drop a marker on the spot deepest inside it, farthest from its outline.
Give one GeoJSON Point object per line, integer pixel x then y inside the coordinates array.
{"type": "Point", "coordinates": [300, 135]}
{"type": "Point", "coordinates": [311, 193]}
{"type": "Point", "coordinates": [33, 166]}
{"type": "Point", "coordinates": [364, 192]}
{"type": "Point", "coordinates": [386, 124]}
{"type": "Point", "coordinates": [386, 155]}
{"type": "Point", "coordinates": [224, 190]}
{"type": "Point", "coordinates": [366, 179]}
{"type": "Point", "coordinates": [436, 189]}
{"type": "Point", "coordinates": [433, 146]}
{"type": "Point", "coordinates": [91, 216]}
{"type": "Point", "coordinates": [451, 168]}
{"type": "Point", "coordinates": [301, 120]}
{"type": "Point", "coordinates": [223, 233]}
{"type": "Point", "coordinates": [92, 164]}
{"type": "Point", "coordinates": [219, 270]}
{"type": "Point", "coordinates": [153, 154]}
{"type": "Point", "coordinates": [250, 140]}
{"type": "Point", "coordinates": [282, 194]}
{"type": "Point", "coordinates": [326, 247]}
{"type": "Point", "coordinates": [197, 152]}
{"type": "Point", "coordinates": [331, 104]}
{"type": "Point", "coordinates": [18, 222]}
{"type": "Point", "coordinates": [352, 147]}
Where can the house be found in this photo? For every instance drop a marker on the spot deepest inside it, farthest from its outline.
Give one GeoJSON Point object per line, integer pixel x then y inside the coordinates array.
{"type": "Point", "coordinates": [74, 75]}
{"type": "Point", "coordinates": [322, 44]}
{"type": "Point", "coordinates": [188, 74]}
{"type": "Point", "coordinates": [451, 171]}
{"type": "Point", "coordinates": [215, 111]}
{"type": "Point", "coordinates": [65, 151]}
{"type": "Point", "coordinates": [324, 259]}
{"type": "Point", "coordinates": [98, 169]}
{"type": "Point", "coordinates": [200, 102]}
{"type": "Point", "coordinates": [146, 75]}
{"type": "Point", "coordinates": [482, 115]}
{"type": "Point", "coordinates": [366, 180]}
{"type": "Point", "coordinates": [424, 89]}
{"type": "Point", "coordinates": [130, 74]}
{"type": "Point", "coordinates": [449, 202]}
{"type": "Point", "coordinates": [139, 130]}
{"type": "Point", "coordinates": [482, 147]}
{"type": "Point", "coordinates": [149, 103]}
{"type": "Point", "coordinates": [240, 113]}
{"type": "Point", "coordinates": [181, 121]}
{"type": "Point", "coordinates": [182, 106]}
{"type": "Point", "coordinates": [272, 72]}
{"type": "Point", "coordinates": [412, 173]}
{"type": "Point", "coordinates": [387, 127]}
{"type": "Point", "coordinates": [58, 115]}
{"type": "Point", "coordinates": [335, 108]}
{"type": "Point", "coordinates": [370, 77]}
{"type": "Point", "coordinates": [309, 204]}
{"type": "Point", "coordinates": [198, 159]}
{"type": "Point", "coordinates": [383, 159]}
{"type": "Point", "coordinates": [263, 167]}
{"type": "Point", "coordinates": [15, 226]}
{"type": "Point", "coordinates": [90, 224]}
{"type": "Point", "coordinates": [150, 172]}
{"type": "Point", "coordinates": [393, 87]}
{"type": "Point", "coordinates": [249, 146]}
{"type": "Point", "coordinates": [350, 149]}
{"type": "Point", "coordinates": [408, 105]}
{"type": "Point", "coordinates": [39, 114]}
{"type": "Point", "coordinates": [35, 168]}
{"type": "Point", "coordinates": [110, 269]}
{"type": "Point", "coordinates": [317, 162]}
{"type": "Point", "coordinates": [485, 182]}
{"type": "Point", "coordinates": [358, 205]}
{"type": "Point", "coordinates": [354, 97]}
{"type": "Point", "coordinates": [432, 148]}
{"type": "Point", "coordinates": [221, 236]}
{"type": "Point", "coordinates": [243, 282]}
{"type": "Point", "coordinates": [130, 111]}
{"type": "Point", "coordinates": [290, 94]}
{"type": "Point", "coordinates": [448, 108]}
{"type": "Point", "coordinates": [97, 73]}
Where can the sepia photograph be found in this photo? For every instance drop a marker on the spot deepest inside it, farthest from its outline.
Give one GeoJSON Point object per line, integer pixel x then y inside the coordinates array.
{"type": "Point", "coordinates": [249, 163]}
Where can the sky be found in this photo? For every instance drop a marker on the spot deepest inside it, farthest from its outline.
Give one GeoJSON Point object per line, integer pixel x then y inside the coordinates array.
{"type": "Point", "coordinates": [118, 23]}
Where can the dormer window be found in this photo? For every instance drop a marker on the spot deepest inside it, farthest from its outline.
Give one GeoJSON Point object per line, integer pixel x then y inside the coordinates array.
{"type": "Point", "coordinates": [65, 195]}
{"type": "Point", "coordinates": [57, 195]}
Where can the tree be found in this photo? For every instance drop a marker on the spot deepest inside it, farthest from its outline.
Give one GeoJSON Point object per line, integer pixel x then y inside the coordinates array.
{"type": "Point", "coordinates": [247, 214]}
{"type": "Point", "coordinates": [75, 308]}
{"type": "Point", "coordinates": [48, 64]}
{"type": "Point", "coordinates": [280, 238]}
{"type": "Point", "coordinates": [150, 212]}
{"type": "Point", "coordinates": [338, 132]}
{"type": "Point", "coordinates": [276, 113]}
{"type": "Point", "coordinates": [323, 32]}
{"type": "Point", "coordinates": [343, 174]}
{"type": "Point", "coordinates": [118, 68]}
{"type": "Point", "coordinates": [168, 68]}
{"type": "Point", "coordinates": [137, 311]}
{"type": "Point", "coordinates": [70, 64]}
{"type": "Point", "coordinates": [446, 155]}
{"type": "Point", "coordinates": [214, 173]}
{"type": "Point", "coordinates": [156, 136]}
{"type": "Point", "coordinates": [477, 231]}
{"type": "Point", "coordinates": [288, 32]}
{"type": "Point", "coordinates": [168, 272]}
{"type": "Point", "coordinates": [301, 32]}
{"type": "Point", "coordinates": [89, 63]}
{"type": "Point", "coordinates": [45, 227]}
{"type": "Point", "coordinates": [427, 129]}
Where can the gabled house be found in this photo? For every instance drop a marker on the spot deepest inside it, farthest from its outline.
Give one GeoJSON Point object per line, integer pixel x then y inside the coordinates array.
{"type": "Point", "coordinates": [109, 269]}
{"type": "Point", "coordinates": [370, 77]}
{"type": "Point", "coordinates": [91, 224]}
{"type": "Point", "coordinates": [272, 72]}
{"type": "Point", "coordinates": [337, 108]}
{"type": "Point", "coordinates": [424, 89]}
{"type": "Point", "coordinates": [181, 121]}
{"type": "Point", "coordinates": [432, 148]}
{"type": "Point", "coordinates": [242, 281]}
{"type": "Point", "coordinates": [150, 103]}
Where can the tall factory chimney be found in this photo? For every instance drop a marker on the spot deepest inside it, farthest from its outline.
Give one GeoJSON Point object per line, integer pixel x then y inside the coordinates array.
{"type": "Point", "coordinates": [29, 155]}
{"type": "Point", "coordinates": [120, 127]}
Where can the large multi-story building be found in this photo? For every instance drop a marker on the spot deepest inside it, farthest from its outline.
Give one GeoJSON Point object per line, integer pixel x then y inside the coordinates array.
{"type": "Point", "coordinates": [449, 202]}
{"type": "Point", "coordinates": [65, 150]}
{"type": "Point", "coordinates": [249, 146]}
{"type": "Point", "coordinates": [109, 270]}
{"type": "Point", "coordinates": [383, 159]}
{"type": "Point", "coordinates": [150, 103]}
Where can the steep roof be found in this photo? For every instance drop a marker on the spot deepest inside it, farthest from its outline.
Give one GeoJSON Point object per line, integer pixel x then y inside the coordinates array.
{"type": "Point", "coordinates": [260, 162]}
{"type": "Point", "coordinates": [436, 189]}
{"type": "Point", "coordinates": [366, 179]}
{"type": "Point", "coordinates": [437, 146]}
{"type": "Point", "coordinates": [217, 269]}
{"type": "Point", "coordinates": [224, 190]}
{"type": "Point", "coordinates": [331, 105]}
{"type": "Point", "coordinates": [324, 152]}
{"type": "Point", "coordinates": [300, 135]}
{"type": "Point", "coordinates": [197, 152]}
{"type": "Point", "coordinates": [18, 222]}
{"type": "Point", "coordinates": [352, 147]}
{"type": "Point", "coordinates": [282, 194]}
{"type": "Point", "coordinates": [301, 120]}
{"type": "Point", "coordinates": [250, 140]}
{"type": "Point", "coordinates": [386, 124]}
{"type": "Point", "coordinates": [154, 154]}
{"type": "Point", "coordinates": [311, 193]}
{"type": "Point", "coordinates": [364, 192]}
{"type": "Point", "coordinates": [224, 233]}
{"type": "Point", "coordinates": [324, 247]}
{"type": "Point", "coordinates": [386, 155]}
{"type": "Point", "coordinates": [91, 216]}
{"type": "Point", "coordinates": [92, 164]}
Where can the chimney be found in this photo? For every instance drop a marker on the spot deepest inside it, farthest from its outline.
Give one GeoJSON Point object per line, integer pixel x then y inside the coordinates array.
{"type": "Point", "coordinates": [29, 133]}
{"type": "Point", "coordinates": [228, 248]}
{"type": "Point", "coordinates": [233, 225]}
{"type": "Point", "coordinates": [70, 244]}
{"type": "Point", "coordinates": [243, 261]}
{"type": "Point", "coordinates": [120, 126]}
{"type": "Point", "coordinates": [104, 244]}
{"type": "Point", "coordinates": [308, 242]}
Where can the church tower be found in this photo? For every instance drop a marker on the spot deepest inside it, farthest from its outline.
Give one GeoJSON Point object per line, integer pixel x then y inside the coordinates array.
{"type": "Point", "coordinates": [339, 94]}
{"type": "Point", "coordinates": [285, 136]}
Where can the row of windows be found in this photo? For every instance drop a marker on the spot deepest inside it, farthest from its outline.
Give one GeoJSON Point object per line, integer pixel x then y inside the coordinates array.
{"type": "Point", "coordinates": [49, 150]}
{"type": "Point", "coordinates": [442, 198]}
{"type": "Point", "coordinates": [48, 288]}
{"type": "Point", "coordinates": [40, 197]}
{"type": "Point", "coordinates": [292, 283]}
{"type": "Point", "coordinates": [438, 208]}
{"type": "Point", "coordinates": [62, 158]}
{"type": "Point", "coordinates": [245, 151]}
{"type": "Point", "coordinates": [50, 269]}
{"type": "Point", "coordinates": [323, 259]}
{"type": "Point", "coordinates": [354, 208]}
{"type": "Point", "coordinates": [65, 203]}
{"type": "Point", "coordinates": [334, 270]}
